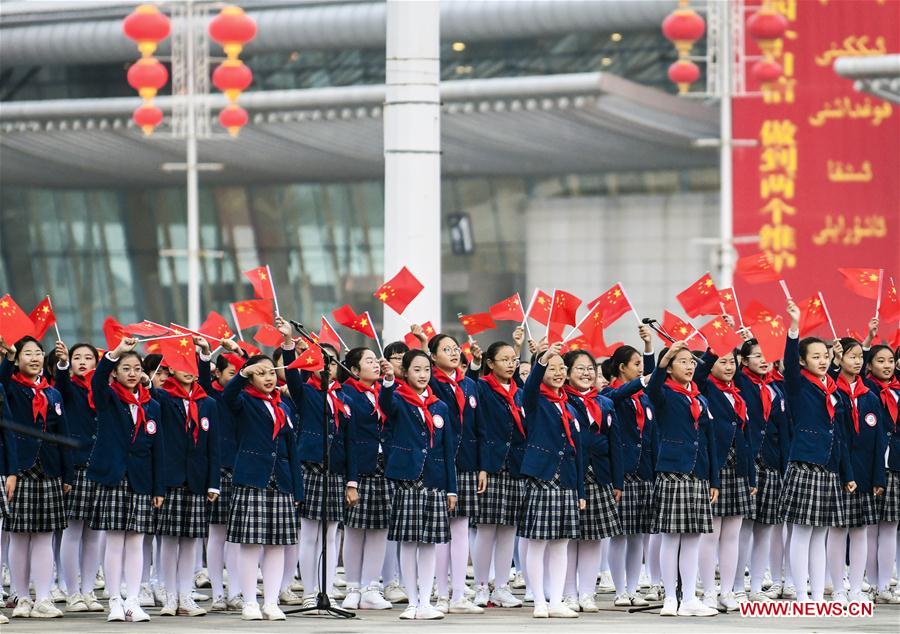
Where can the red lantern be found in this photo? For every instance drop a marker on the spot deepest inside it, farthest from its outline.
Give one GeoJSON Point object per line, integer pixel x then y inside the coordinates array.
{"type": "Point", "coordinates": [766, 71]}
{"type": "Point", "coordinates": [147, 117]}
{"type": "Point", "coordinates": [232, 28]}
{"type": "Point", "coordinates": [684, 73]}
{"type": "Point", "coordinates": [232, 77]}
{"type": "Point", "coordinates": [767, 26]}
{"type": "Point", "coordinates": [683, 27]}
{"type": "Point", "coordinates": [148, 27]}
{"type": "Point", "coordinates": [233, 118]}
{"type": "Point", "coordinates": [147, 75]}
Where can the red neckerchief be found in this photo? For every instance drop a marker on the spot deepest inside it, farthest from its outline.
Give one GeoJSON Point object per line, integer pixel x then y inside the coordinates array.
{"type": "Point", "coordinates": [775, 375]}
{"type": "Point", "coordinates": [887, 399]}
{"type": "Point", "coordinates": [192, 416]}
{"type": "Point", "coordinates": [405, 392]}
{"type": "Point", "coordinates": [273, 398]}
{"type": "Point", "coordinates": [740, 407]}
{"type": "Point", "coordinates": [854, 393]}
{"type": "Point", "coordinates": [509, 396]}
{"type": "Point", "coordinates": [139, 398]}
{"type": "Point", "coordinates": [453, 382]}
{"type": "Point", "coordinates": [562, 400]}
{"type": "Point", "coordinates": [590, 402]}
{"type": "Point", "coordinates": [827, 389]}
{"type": "Point", "coordinates": [693, 394]}
{"type": "Point", "coordinates": [337, 405]}
{"type": "Point", "coordinates": [84, 382]}
{"type": "Point", "coordinates": [40, 402]}
{"type": "Point", "coordinates": [765, 394]}
{"type": "Point", "coordinates": [374, 390]}
{"type": "Point", "coordinates": [217, 386]}
{"type": "Point", "coordinates": [640, 416]}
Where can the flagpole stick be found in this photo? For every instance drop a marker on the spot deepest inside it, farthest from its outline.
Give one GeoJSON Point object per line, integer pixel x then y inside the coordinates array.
{"type": "Point", "coordinates": [550, 316]}
{"type": "Point", "coordinates": [525, 321]}
{"type": "Point", "coordinates": [236, 323]}
{"type": "Point", "coordinates": [175, 336]}
{"type": "Point", "coordinates": [527, 312]}
{"type": "Point", "coordinates": [375, 332]}
{"type": "Point", "coordinates": [737, 307]}
{"type": "Point", "coordinates": [787, 293]}
{"type": "Point", "coordinates": [334, 330]}
{"type": "Point", "coordinates": [827, 315]}
{"type": "Point", "coordinates": [877, 300]}
{"type": "Point", "coordinates": [56, 326]}
{"type": "Point", "coordinates": [274, 294]}
{"type": "Point", "coordinates": [155, 371]}
{"type": "Point", "coordinates": [633, 310]}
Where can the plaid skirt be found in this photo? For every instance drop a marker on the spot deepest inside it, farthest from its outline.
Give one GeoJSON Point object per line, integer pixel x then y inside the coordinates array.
{"type": "Point", "coordinates": [418, 514]}
{"type": "Point", "coordinates": [734, 492]}
{"type": "Point", "coordinates": [811, 496]}
{"type": "Point", "coordinates": [373, 511]}
{"type": "Point", "coordinates": [681, 504]}
{"type": "Point", "coordinates": [859, 509]}
{"type": "Point", "coordinates": [261, 516]}
{"type": "Point", "coordinates": [887, 505]}
{"type": "Point", "coordinates": [466, 494]}
{"type": "Point", "coordinates": [501, 502]}
{"type": "Point", "coordinates": [311, 506]}
{"type": "Point", "coordinates": [118, 508]}
{"type": "Point", "coordinates": [600, 518]}
{"type": "Point", "coordinates": [80, 500]}
{"type": "Point", "coordinates": [4, 504]}
{"type": "Point", "coordinates": [768, 495]}
{"type": "Point", "coordinates": [636, 506]}
{"type": "Point", "coordinates": [218, 510]}
{"type": "Point", "coordinates": [183, 514]}
{"type": "Point", "coordinates": [37, 505]}
{"type": "Point", "coordinates": [549, 511]}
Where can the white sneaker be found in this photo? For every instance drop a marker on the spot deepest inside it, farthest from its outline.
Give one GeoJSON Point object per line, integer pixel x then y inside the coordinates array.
{"type": "Point", "coordinates": [540, 611]}
{"type": "Point", "coordinates": [464, 606]}
{"type": "Point", "coordinates": [865, 587]}
{"type": "Point", "coordinates": [587, 603]}
{"type": "Point", "coordinates": [788, 592]}
{"type": "Point", "coordinates": [653, 594]}
{"type": "Point", "coordinates": [287, 597]}
{"type": "Point", "coordinates": [99, 580]}
{"type": "Point", "coordinates": [644, 579]}
{"type": "Point", "coordinates": [622, 600]}
{"type": "Point", "coordinates": [767, 580]}
{"type": "Point", "coordinates": [728, 602]}
{"type": "Point", "coordinates": [428, 613]}
{"type": "Point", "coordinates": [519, 582]}
{"type": "Point", "coordinates": [670, 607]}
{"type": "Point", "coordinates": [250, 612]}
{"type": "Point", "coordinates": [199, 596]}
{"type": "Point", "coordinates": [271, 612]}
{"type": "Point", "coordinates": [562, 611]}
{"type": "Point", "coordinates": [75, 603]}
{"type": "Point", "coordinates": [774, 591]}
{"type": "Point", "coordinates": [711, 600]}
{"type": "Point", "coordinates": [409, 613]}
{"type": "Point", "coordinates": [44, 609]}
{"type": "Point", "coordinates": [859, 597]}
{"type": "Point", "coordinates": [339, 581]}
{"type": "Point", "coordinates": [468, 592]}
{"type": "Point", "coordinates": [57, 595]}
{"type": "Point", "coordinates": [188, 607]}
{"type": "Point", "coordinates": [886, 596]}
{"type": "Point", "coordinates": [504, 598]}
{"type": "Point", "coordinates": [606, 585]}
{"type": "Point", "coordinates": [638, 600]}
{"type": "Point", "coordinates": [372, 599]}
{"type": "Point", "coordinates": [145, 597]}
{"type": "Point", "coordinates": [3, 619]}
{"type": "Point", "coordinates": [839, 597]}
{"type": "Point", "coordinates": [218, 604]}
{"type": "Point", "coordinates": [116, 610]}
{"type": "Point", "coordinates": [482, 595]}
{"type": "Point", "coordinates": [133, 611]}
{"type": "Point", "coordinates": [442, 604]}
{"type": "Point", "coordinates": [296, 586]}
{"type": "Point", "coordinates": [351, 601]}
{"type": "Point", "coordinates": [159, 594]}
{"type": "Point", "coordinates": [741, 596]}
{"type": "Point", "coordinates": [529, 596]}
{"type": "Point", "coordinates": [170, 607]}
{"type": "Point", "coordinates": [758, 597]}
{"type": "Point", "coordinates": [394, 593]}
{"type": "Point", "coordinates": [201, 580]}
{"type": "Point", "coordinates": [236, 603]}
{"type": "Point", "coordinates": [571, 602]}
{"type": "Point", "coordinates": [693, 607]}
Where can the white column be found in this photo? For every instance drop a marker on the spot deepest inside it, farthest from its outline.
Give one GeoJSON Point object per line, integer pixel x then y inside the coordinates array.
{"type": "Point", "coordinates": [193, 195]}
{"type": "Point", "coordinates": [412, 160]}
{"type": "Point", "coordinates": [726, 222]}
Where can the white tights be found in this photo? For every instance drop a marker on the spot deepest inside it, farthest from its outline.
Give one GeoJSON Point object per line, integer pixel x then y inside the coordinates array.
{"type": "Point", "coordinates": [493, 542]}
{"type": "Point", "coordinates": [123, 548]}
{"type": "Point", "coordinates": [179, 553]}
{"type": "Point", "coordinates": [363, 555]}
{"type": "Point", "coordinates": [882, 552]}
{"type": "Point", "coordinates": [671, 560]}
{"type": "Point", "coordinates": [583, 566]}
{"type": "Point", "coordinates": [79, 542]}
{"type": "Point", "coordinates": [272, 569]}
{"type": "Point", "coordinates": [310, 550]}
{"type": "Point", "coordinates": [653, 569]}
{"type": "Point", "coordinates": [221, 555]}
{"type": "Point", "coordinates": [453, 558]}
{"type": "Point", "coordinates": [291, 561]}
{"type": "Point", "coordinates": [760, 555]}
{"type": "Point", "coordinates": [807, 554]}
{"type": "Point", "coordinates": [556, 550]}
{"type": "Point", "coordinates": [723, 541]}
{"type": "Point", "coordinates": [837, 549]}
{"type": "Point", "coordinates": [39, 564]}
{"type": "Point", "coordinates": [390, 569]}
{"type": "Point", "coordinates": [417, 569]}
{"type": "Point", "coordinates": [744, 550]}
{"type": "Point", "coordinates": [625, 555]}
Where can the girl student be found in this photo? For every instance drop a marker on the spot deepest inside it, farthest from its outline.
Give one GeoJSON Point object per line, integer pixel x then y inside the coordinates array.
{"type": "Point", "coordinates": [500, 425]}
{"type": "Point", "coordinates": [421, 463]}
{"type": "Point", "coordinates": [686, 483]}
{"type": "Point", "coordinates": [127, 465]}
{"type": "Point", "coordinates": [737, 477]}
{"type": "Point", "coordinates": [458, 392]}
{"type": "Point", "coordinates": [883, 535]}
{"type": "Point", "coordinates": [367, 519]}
{"type": "Point", "coordinates": [8, 465]}
{"type": "Point", "coordinates": [80, 546]}
{"type": "Point", "coordinates": [44, 472]}
{"type": "Point", "coordinates": [867, 444]}
{"type": "Point", "coordinates": [603, 479]}
{"type": "Point", "coordinates": [627, 370]}
{"type": "Point", "coordinates": [811, 498]}
{"type": "Point", "coordinates": [268, 483]}
{"type": "Point", "coordinates": [307, 395]}
{"type": "Point", "coordinates": [192, 470]}
{"type": "Point", "coordinates": [554, 493]}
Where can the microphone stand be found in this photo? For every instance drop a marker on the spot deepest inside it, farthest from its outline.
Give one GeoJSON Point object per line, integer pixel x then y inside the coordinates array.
{"type": "Point", "coordinates": [323, 601]}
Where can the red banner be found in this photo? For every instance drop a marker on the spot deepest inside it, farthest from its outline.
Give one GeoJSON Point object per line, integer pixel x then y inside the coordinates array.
{"type": "Point", "coordinates": [821, 187]}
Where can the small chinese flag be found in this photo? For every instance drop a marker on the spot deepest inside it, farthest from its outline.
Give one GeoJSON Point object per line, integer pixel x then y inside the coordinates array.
{"type": "Point", "coordinates": [592, 325]}
{"type": "Point", "coordinates": [466, 349]}
{"type": "Point", "coordinates": [42, 317]}
{"type": "Point", "coordinates": [14, 322]}
{"type": "Point", "coordinates": [756, 269]}
{"type": "Point", "coordinates": [248, 347]}
{"type": "Point", "coordinates": [179, 354]}
{"type": "Point", "coordinates": [113, 331]}
{"type": "Point", "coordinates": [863, 282]}
{"type": "Point", "coordinates": [600, 349]}
{"type": "Point", "coordinates": [153, 347]}
{"type": "Point", "coordinates": [215, 328]}
{"type": "Point", "coordinates": [540, 309]}
{"type": "Point", "coordinates": [613, 304]}
{"type": "Point", "coordinates": [146, 329]}
{"type": "Point", "coordinates": [268, 335]}
{"type": "Point", "coordinates": [577, 343]}
{"type": "Point", "coordinates": [253, 312]}
{"type": "Point", "coordinates": [720, 337]}
{"type": "Point", "coordinates": [310, 360]}
{"type": "Point", "coordinates": [477, 322]}
{"type": "Point", "coordinates": [346, 317]}
{"type": "Point", "coordinates": [677, 328]}
{"type": "Point", "coordinates": [400, 290]}
{"type": "Point", "coordinates": [412, 342]}
{"type": "Point", "coordinates": [854, 334]}
{"type": "Point", "coordinates": [895, 340]}
{"type": "Point", "coordinates": [428, 329]}
{"type": "Point", "coordinates": [565, 307]}
{"type": "Point", "coordinates": [509, 309]}
{"type": "Point", "coordinates": [889, 311]}
{"type": "Point", "coordinates": [262, 283]}
{"type": "Point", "coordinates": [728, 299]}
{"type": "Point", "coordinates": [812, 314]}
{"type": "Point", "coordinates": [700, 298]}
{"type": "Point", "coordinates": [327, 334]}
{"type": "Point", "coordinates": [768, 329]}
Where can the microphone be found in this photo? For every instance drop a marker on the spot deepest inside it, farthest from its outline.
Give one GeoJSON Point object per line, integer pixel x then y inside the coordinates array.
{"type": "Point", "coordinates": [298, 327]}
{"type": "Point", "coordinates": [648, 321]}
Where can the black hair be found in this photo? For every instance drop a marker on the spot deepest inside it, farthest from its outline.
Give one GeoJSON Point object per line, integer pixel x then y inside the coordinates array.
{"type": "Point", "coordinates": [395, 347]}
{"type": "Point", "coordinates": [570, 357]}
{"type": "Point", "coordinates": [491, 354]}
{"type": "Point", "coordinates": [434, 341]}
{"type": "Point", "coordinates": [85, 345]}
{"type": "Point", "coordinates": [621, 356]}
{"type": "Point", "coordinates": [137, 355]}
{"type": "Point", "coordinates": [806, 342]}
{"type": "Point", "coordinates": [277, 354]}
{"type": "Point", "coordinates": [878, 348]}
{"type": "Point", "coordinates": [151, 362]}
{"type": "Point", "coordinates": [21, 343]}
{"type": "Point", "coordinates": [661, 354]}
{"type": "Point", "coordinates": [256, 358]}
{"type": "Point", "coordinates": [848, 343]}
{"type": "Point", "coordinates": [51, 360]}
{"type": "Point", "coordinates": [222, 363]}
{"type": "Point", "coordinates": [747, 348]}
{"type": "Point", "coordinates": [411, 355]}
{"type": "Point", "coordinates": [352, 360]}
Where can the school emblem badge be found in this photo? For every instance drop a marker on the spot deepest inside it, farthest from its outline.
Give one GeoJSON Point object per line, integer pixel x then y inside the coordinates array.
{"type": "Point", "coordinates": [871, 419]}
{"type": "Point", "coordinates": [649, 414]}
{"type": "Point", "coordinates": [151, 427]}
{"type": "Point", "coordinates": [472, 402]}
{"type": "Point", "coordinates": [58, 409]}
{"type": "Point", "coordinates": [204, 424]}
{"type": "Point", "coordinates": [438, 422]}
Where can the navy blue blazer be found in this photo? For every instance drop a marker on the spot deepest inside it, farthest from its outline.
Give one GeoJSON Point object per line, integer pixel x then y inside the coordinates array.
{"type": "Point", "coordinates": [226, 423]}
{"type": "Point", "coordinates": [890, 428]}
{"type": "Point", "coordinates": [500, 444]}
{"type": "Point", "coordinates": [547, 449]}
{"type": "Point", "coordinates": [867, 447]}
{"type": "Point", "coordinates": [602, 447]}
{"type": "Point", "coordinates": [55, 461]}
{"type": "Point", "coordinates": [638, 446]}
{"type": "Point", "coordinates": [8, 461]}
{"type": "Point", "coordinates": [683, 446]}
{"type": "Point", "coordinates": [816, 438]}
{"type": "Point", "coordinates": [259, 456]}
{"type": "Point", "coordinates": [465, 434]}
{"type": "Point", "coordinates": [195, 466]}
{"type": "Point", "coordinates": [366, 434]}
{"type": "Point", "coordinates": [770, 440]}
{"type": "Point", "coordinates": [114, 455]}
{"type": "Point", "coordinates": [411, 455]}
{"type": "Point", "coordinates": [80, 418]}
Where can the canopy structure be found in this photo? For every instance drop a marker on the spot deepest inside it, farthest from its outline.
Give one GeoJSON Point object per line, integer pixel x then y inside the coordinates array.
{"type": "Point", "coordinates": [878, 75]}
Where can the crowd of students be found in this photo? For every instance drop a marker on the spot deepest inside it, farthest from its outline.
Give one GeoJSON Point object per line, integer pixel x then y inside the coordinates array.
{"type": "Point", "coordinates": [677, 466]}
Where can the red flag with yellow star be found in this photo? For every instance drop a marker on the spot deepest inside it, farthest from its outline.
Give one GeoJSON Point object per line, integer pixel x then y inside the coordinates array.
{"type": "Point", "coordinates": [268, 335]}
{"type": "Point", "coordinates": [253, 312]}
{"type": "Point", "coordinates": [262, 283]}
{"type": "Point", "coordinates": [756, 268]}
{"type": "Point", "coordinates": [540, 308]}
{"type": "Point", "coordinates": [215, 328]}
{"type": "Point", "coordinates": [412, 342]}
{"type": "Point", "coordinates": [113, 331]}
{"type": "Point", "coordinates": [310, 360]}
{"type": "Point", "coordinates": [14, 322]}
{"type": "Point", "coordinates": [466, 349]}
{"type": "Point", "coordinates": [42, 317]}
{"type": "Point", "coordinates": [729, 302]}
{"type": "Point", "coordinates": [400, 290]}
{"type": "Point", "coordinates": [812, 314]}
{"type": "Point", "coordinates": [768, 329]}
{"type": "Point", "coordinates": [179, 354]}
{"type": "Point", "coordinates": [700, 298]}
{"type": "Point", "coordinates": [428, 329]}
{"type": "Point", "coordinates": [721, 339]}
{"type": "Point", "coordinates": [889, 311]}
{"type": "Point", "coordinates": [477, 322]}
{"type": "Point", "coordinates": [346, 317]}
{"type": "Point", "coordinates": [613, 304]}
{"type": "Point", "coordinates": [327, 334]}
{"type": "Point", "coordinates": [146, 329]}
{"type": "Point", "coordinates": [677, 328]}
{"type": "Point", "coordinates": [509, 309]}
{"type": "Point", "coordinates": [863, 282]}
